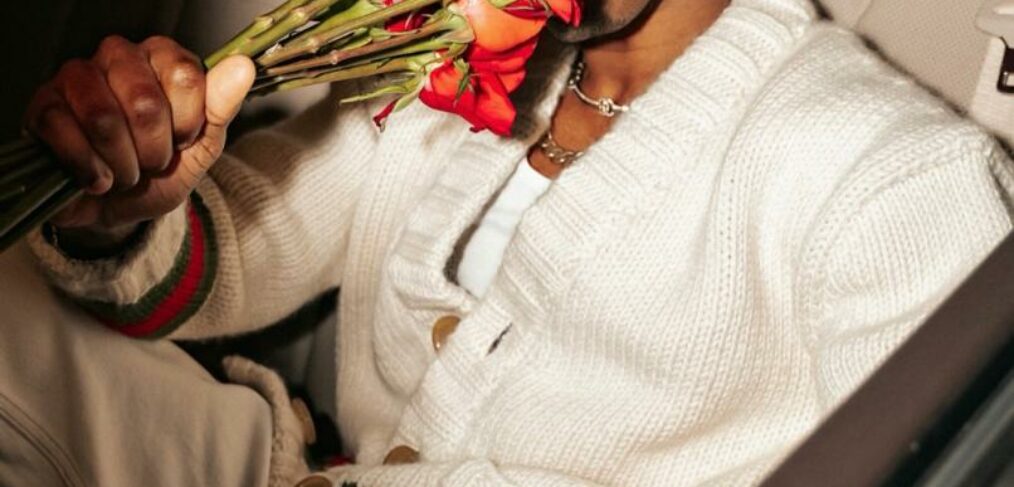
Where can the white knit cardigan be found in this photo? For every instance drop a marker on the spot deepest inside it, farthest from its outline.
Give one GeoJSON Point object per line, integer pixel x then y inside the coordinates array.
{"type": "Point", "coordinates": [682, 306]}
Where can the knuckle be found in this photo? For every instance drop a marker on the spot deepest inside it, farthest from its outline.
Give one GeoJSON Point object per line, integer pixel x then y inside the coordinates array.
{"type": "Point", "coordinates": [46, 120]}
{"type": "Point", "coordinates": [73, 68]}
{"type": "Point", "coordinates": [113, 43]}
{"type": "Point", "coordinates": [44, 97]}
{"type": "Point", "coordinates": [186, 75]}
{"type": "Point", "coordinates": [146, 108]}
{"type": "Point", "coordinates": [155, 42]}
{"type": "Point", "coordinates": [101, 123]}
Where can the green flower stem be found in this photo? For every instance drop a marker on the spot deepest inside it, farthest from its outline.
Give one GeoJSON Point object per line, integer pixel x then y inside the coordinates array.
{"type": "Point", "coordinates": [66, 193]}
{"type": "Point", "coordinates": [453, 48]}
{"type": "Point", "coordinates": [36, 197]}
{"type": "Point", "coordinates": [33, 188]}
{"type": "Point", "coordinates": [11, 149]}
{"type": "Point", "coordinates": [14, 160]}
{"type": "Point", "coordinates": [356, 10]}
{"type": "Point", "coordinates": [12, 192]}
{"type": "Point", "coordinates": [259, 25]}
{"type": "Point", "coordinates": [405, 64]}
{"type": "Point", "coordinates": [294, 20]}
{"type": "Point", "coordinates": [269, 32]}
{"type": "Point", "coordinates": [338, 56]}
{"type": "Point", "coordinates": [23, 172]}
{"type": "Point", "coordinates": [311, 42]}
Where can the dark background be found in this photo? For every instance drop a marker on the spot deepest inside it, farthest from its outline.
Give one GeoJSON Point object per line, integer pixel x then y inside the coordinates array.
{"type": "Point", "coordinates": [39, 35]}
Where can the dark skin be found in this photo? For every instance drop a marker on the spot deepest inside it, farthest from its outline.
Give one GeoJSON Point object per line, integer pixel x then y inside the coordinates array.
{"type": "Point", "coordinates": [626, 45]}
{"type": "Point", "coordinates": [140, 124]}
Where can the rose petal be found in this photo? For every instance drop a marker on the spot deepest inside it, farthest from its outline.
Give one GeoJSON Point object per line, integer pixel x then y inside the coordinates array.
{"type": "Point", "coordinates": [512, 80]}
{"type": "Point", "coordinates": [495, 29]}
{"type": "Point", "coordinates": [380, 119]}
{"type": "Point", "coordinates": [494, 106]}
{"type": "Point", "coordinates": [484, 102]}
{"type": "Point", "coordinates": [510, 60]}
{"type": "Point", "coordinates": [569, 11]}
{"type": "Point", "coordinates": [528, 9]}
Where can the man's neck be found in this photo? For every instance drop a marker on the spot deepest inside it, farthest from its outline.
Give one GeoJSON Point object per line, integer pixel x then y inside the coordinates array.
{"type": "Point", "coordinates": [623, 66]}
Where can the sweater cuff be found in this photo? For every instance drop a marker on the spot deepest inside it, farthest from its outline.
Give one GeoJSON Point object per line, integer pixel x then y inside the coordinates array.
{"type": "Point", "coordinates": [152, 288]}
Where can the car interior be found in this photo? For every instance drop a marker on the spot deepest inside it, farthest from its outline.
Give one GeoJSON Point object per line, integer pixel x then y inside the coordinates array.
{"type": "Point", "coordinates": [951, 385]}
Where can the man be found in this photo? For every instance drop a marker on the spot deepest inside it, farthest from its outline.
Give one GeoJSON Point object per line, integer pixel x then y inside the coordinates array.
{"type": "Point", "coordinates": [772, 211]}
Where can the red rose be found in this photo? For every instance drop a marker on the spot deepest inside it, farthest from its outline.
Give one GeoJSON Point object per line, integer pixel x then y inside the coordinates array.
{"type": "Point", "coordinates": [497, 30]}
{"type": "Point", "coordinates": [513, 59]}
{"type": "Point", "coordinates": [508, 65]}
{"type": "Point", "coordinates": [528, 9]}
{"type": "Point", "coordinates": [477, 85]}
{"type": "Point", "coordinates": [569, 11]}
{"type": "Point", "coordinates": [478, 97]}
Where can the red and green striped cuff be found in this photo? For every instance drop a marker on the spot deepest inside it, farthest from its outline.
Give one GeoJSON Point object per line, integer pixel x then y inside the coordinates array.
{"type": "Point", "coordinates": [178, 297]}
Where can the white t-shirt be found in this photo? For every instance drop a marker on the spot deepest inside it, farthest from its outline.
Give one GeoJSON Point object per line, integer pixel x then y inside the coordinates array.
{"type": "Point", "coordinates": [484, 251]}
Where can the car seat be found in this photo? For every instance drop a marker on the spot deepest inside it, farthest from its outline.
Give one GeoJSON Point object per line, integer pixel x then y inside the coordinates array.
{"type": "Point", "coordinates": [939, 43]}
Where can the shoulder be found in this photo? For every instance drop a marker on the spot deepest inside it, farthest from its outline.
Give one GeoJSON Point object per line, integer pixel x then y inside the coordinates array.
{"type": "Point", "coordinates": [838, 127]}
{"type": "Point", "coordinates": [836, 94]}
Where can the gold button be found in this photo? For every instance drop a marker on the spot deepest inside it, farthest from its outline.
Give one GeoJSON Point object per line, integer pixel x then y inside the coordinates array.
{"type": "Point", "coordinates": [315, 481]}
{"type": "Point", "coordinates": [400, 455]}
{"type": "Point", "coordinates": [443, 329]}
{"type": "Point", "coordinates": [305, 421]}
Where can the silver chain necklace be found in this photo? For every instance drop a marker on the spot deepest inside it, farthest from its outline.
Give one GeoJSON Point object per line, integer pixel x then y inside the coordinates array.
{"type": "Point", "coordinates": [606, 106]}
{"type": "Point", "coordinates": [557, 154]}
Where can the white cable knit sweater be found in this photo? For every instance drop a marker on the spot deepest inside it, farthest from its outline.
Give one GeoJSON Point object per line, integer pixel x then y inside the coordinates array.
{"type": "Point", "coordinates": [682, 306]}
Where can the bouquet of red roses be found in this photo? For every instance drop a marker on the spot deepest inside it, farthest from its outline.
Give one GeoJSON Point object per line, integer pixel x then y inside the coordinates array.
{"type": "Point", "coordinates": [460, 56]}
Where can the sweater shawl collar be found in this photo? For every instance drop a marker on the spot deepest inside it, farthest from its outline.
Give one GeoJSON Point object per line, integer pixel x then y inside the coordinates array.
{"type": "Point", "coordinates": [690, 112]}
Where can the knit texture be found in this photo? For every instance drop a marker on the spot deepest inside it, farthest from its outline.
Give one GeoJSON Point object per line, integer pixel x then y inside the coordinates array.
{"type": "Point", "coordinates": [287, 437]}
{"type": "Point", "coordinates": [181, 289]}
{"type": "Point", "coordinates": [772, 218]}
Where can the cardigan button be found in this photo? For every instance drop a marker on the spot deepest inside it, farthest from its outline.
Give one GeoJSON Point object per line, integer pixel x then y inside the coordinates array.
{"type": "Point", "coordinates": [315, 481]}
{"type": "Point", "coordinates": [401, 455]}
{"type": "Point", "coordinates": [443, 329]}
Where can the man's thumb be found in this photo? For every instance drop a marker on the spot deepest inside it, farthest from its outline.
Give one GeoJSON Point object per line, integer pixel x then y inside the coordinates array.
{"type": "Point", "coordinates": [227, 85]}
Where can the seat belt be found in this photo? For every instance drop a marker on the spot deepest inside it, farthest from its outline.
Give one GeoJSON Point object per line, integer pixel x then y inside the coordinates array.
{"type": "Point", "coordinates": [993, 101]}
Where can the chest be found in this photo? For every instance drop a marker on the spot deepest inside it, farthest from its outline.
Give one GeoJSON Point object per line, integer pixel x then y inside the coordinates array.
{"type": "Point", "coordinates": [669, 288]}
{"type": "Point", "coordinates": [628, 250]}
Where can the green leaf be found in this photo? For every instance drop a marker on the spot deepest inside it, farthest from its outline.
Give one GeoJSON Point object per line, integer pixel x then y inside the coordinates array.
{"type": "Point", "coordinates": [411, 96]}
{"type": "Point", "coordinates": [466, 75]}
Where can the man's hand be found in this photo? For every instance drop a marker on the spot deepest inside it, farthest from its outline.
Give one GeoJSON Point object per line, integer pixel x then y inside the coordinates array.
{"type": "Point", "coordinates": [138, 125]}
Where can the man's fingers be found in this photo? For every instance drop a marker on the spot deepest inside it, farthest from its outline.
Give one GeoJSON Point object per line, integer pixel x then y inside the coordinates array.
{"type": "Point", "coordinates": [181, 75]}
{"type": "Point", "coordinates": [98, 113]}
{"type": "Point", "coordinates": [145, 108]}
{"type": "Point", "coordinates": [228, 84]}
{"type": "Point", "coordinates": [50, 119]}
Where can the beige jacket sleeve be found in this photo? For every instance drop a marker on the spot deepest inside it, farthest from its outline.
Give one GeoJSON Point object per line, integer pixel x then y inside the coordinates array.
{"type": "Point", "coordinates": [265, 232]}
